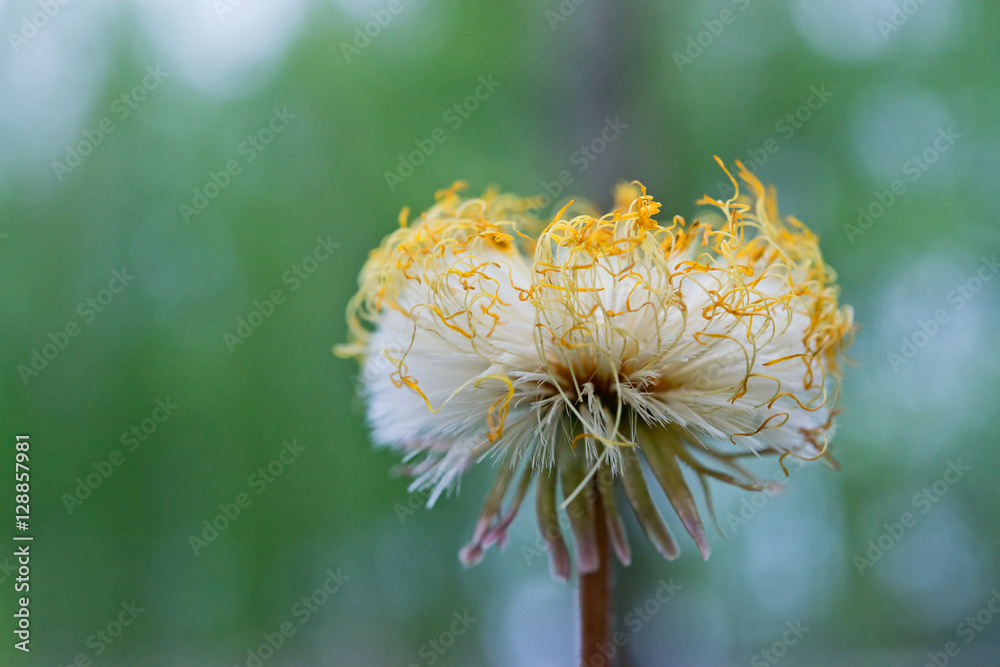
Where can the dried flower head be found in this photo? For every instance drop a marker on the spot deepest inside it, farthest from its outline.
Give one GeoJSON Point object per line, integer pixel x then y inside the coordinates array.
{"type": "Point", "coordinates": [575, 353]}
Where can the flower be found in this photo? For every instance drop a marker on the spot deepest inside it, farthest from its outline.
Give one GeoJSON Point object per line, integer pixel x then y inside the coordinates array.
{"type": "Point", "coordinates": [573, 354]}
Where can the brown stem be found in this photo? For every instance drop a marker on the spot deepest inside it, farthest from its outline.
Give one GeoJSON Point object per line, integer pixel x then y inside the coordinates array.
{"type": "Point", "coordinates": [596, 596]}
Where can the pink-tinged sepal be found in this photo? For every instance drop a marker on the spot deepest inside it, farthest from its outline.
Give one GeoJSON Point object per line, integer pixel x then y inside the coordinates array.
{"type": "Point", "coordinates": [548, 524]}
{"type": "Point", "coordinates": [616, 529]}
{"type": "Point", "coordinates": [659, 450]}
{"type": "Point", "coordinates": [580, 509]}
{"type": "Point", "coordinates": [472, 552]}
{"type": "Point", "coordinates": [498, 534]}
{"type": "Point", "coordinates": [644, 508]}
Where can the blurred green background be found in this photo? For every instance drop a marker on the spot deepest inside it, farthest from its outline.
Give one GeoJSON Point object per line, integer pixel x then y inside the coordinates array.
{"type": "Point", "coordinates": [285, 116]}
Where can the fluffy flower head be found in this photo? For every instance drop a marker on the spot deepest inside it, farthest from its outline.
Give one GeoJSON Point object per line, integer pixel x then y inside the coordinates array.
{"type": "Point", "coordinates": [575, 351]}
